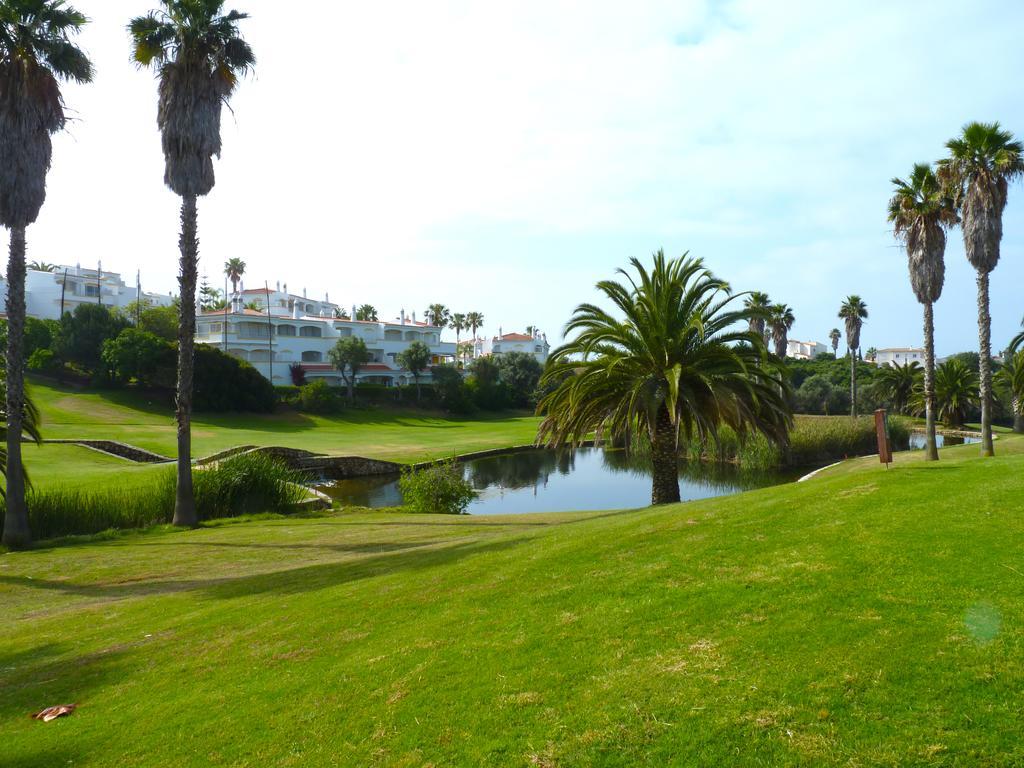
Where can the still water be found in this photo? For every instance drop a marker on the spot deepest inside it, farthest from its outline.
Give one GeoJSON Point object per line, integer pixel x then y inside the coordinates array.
{"type": "Point", "coordinates": [544, 480]}
{"type": "Point", "coordinates": [917, 440]}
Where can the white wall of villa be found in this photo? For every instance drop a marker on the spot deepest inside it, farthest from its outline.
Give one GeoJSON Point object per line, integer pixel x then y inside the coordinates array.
{"type": "Point", "coordinates": [805, 350]}
{"type": "Point", "coordinates": [899, 356]}
{"type": "Point", "coordinates": [284, 338]}
{"type": "Point", "coordinates": [80, 286]}
{"type": "Point", "coordinates": [534, 343]}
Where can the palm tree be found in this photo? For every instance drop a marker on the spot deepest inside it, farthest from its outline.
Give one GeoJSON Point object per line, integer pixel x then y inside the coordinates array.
{"type": "Point", "coordinates": [29, 427]}
{"type": "Point", "coordinates": [854, 311]}
{"type": "Point", "coordinates": [199, 54]}
{"type": "Point", "coordinates": [367, 313]}
{"type": "Point", "coordinates": [920, 211]}
{"type": "Point", "coordinates": [1017, 341]}
{"type": "Point", "coordinates": [36, 53]}
{"type": "Point", "coordinates": [438, 315]}
{"type": "Point", "coordinates": [474, 321]}
{"type": "Point", "coordinates": [871, 355]}
{"type": "Point", "coordinates": [675, 365]}
{"type": "Point", "coordinates": [835, 335]}
{"type": "Point", "coordinates": [898, 384]}
{"type": "Point", "coordinates": [956, 392]}
{"type": "Point", "coordinates": [780, 322]}
{"type": "Point", "coordinates": [759, 306]}
{"type": "Point", "coordinates": [41, 266]}
{"type": "Point", "coordinates": [1010, 380]}
{"type": "Point", "coordinates": [982, 162]}
{"type": "Point", "coordinates": [458, 324]}
{"type": "Point", "coordinates": [234, 268]}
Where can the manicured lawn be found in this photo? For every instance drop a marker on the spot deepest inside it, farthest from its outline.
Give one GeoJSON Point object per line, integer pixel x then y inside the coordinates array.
{"type": "Point", "coordinates": [377, 433]}
{"type": "Point", "coordinates": [866, 617]}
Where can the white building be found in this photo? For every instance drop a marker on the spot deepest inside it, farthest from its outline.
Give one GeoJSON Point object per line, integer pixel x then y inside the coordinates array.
{"type": "Point", "coordinates": [804, 350]}
{"type": "Point", "coordinates": [534, 343]}
{"type": "Point", "coordinates": [277, 341]}
{"type": "Point", "coordinates": [284, 303]}
{"type": "Point", "coordinates": [46, 292]}
{"type": "Point", "coordinates": [899, 356]}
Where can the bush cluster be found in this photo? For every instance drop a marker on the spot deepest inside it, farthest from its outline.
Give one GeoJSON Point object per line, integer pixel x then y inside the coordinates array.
{"type": "Point", "coordinates": [437, 489]}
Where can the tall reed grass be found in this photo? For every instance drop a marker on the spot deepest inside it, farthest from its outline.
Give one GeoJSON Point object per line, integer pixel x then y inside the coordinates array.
{"type": "Point", "coordinates": [240, 485]}
{"type": "Point", "coordinates": [814, 440]}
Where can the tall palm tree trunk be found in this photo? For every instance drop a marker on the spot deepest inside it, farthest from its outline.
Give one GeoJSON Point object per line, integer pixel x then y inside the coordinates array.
{"type": "Point", "coordinates": [1018, 415]}
{"type": "Point", "coordinates": [931, 450]}
{"type": "Point", "coordinates": [664, 461]}
{"type": "Point", "coordinates": [985, 364]}
{"type": "Point", "coordinates": [184, 499]}
{"type": "Point", "coordinates": [853, 383]}
{"type": "Point", "coordinates": [16, 530]}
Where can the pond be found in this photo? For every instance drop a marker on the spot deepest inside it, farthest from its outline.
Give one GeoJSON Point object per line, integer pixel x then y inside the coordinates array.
{"type": "Point", "coordinates": [917, 440]}
{"type": "Point", "coordinates": [544, 480]}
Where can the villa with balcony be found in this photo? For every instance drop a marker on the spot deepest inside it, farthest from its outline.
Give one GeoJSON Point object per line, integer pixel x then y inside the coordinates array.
{"type": "Point", "coordinates": [534, 343]}
{"type": "Point", "coordinates": [273, 342]}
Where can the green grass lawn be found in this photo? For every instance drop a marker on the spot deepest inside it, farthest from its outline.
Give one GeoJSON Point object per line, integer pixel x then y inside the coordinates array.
{"type": "Point", "coordinates": [868, 617]}
{"type": "Point", "coordinates": [382, 433]}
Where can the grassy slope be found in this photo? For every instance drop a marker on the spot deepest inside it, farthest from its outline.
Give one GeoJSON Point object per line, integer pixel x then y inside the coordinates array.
{"type": "Point", "coordinates": [866, 617]}
{"type": "Point", "coordinates": [124, 416]}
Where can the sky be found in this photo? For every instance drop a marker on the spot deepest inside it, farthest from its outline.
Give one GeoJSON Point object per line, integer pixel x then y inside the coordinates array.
{"type": "Point", "coordinates": [503, 158]}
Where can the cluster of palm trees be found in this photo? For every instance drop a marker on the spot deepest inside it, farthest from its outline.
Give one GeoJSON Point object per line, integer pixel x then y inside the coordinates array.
{"type": "Point", "coordinates": [968, 188]}
{"type": "Point", "coordinates": [199, 55]}
{"type": "Point", "coordinates": [440, 316]}
{"type": "Point", "coordinates": [771, 321]}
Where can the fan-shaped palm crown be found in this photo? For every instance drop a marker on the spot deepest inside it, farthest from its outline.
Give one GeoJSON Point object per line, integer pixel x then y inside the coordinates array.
{"type": "Point", "coordinates": [758, 304]}
{"type": "Point", "coordinates": [780, 321]}
{"type": "Point", "coordinates": [920, 210]}
{"type": "Point", "coordinates": [234, 268]}
{"type": "Point", "coordinates": [675, 363]}
{"type": "Point", "coordinates": [854, 312]}
{"type": "Point", "coordinates": [36, 51]}
{"type": "Point", "coordinates": [982, 162]}
{"type": "Point", "coordinates": [199, 54]}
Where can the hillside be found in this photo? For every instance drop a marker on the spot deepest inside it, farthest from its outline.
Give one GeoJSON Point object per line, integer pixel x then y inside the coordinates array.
{"type": "Point", "coordinates": [866, 617]}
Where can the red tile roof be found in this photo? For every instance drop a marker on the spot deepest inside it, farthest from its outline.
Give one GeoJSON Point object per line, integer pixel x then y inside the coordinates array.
{"type": "Point", "coordinates": [514, 337]}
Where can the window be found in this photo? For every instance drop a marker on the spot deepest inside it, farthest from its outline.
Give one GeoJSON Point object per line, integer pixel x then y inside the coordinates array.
{"type": "Point", "coordinates": [392, 335]}
{"type": "Point", "coordinates": [259, 356]}
{"type": "Point", "coordinates": [216, 327]}
{"type": "Point", "coordinates": [286, 330]}
{"type": "Point", "coordinates": [310, 332]}
{"type": "Point", "coordinates": [91, 290]}
{"type": "Point", "coordinates": [254, 330]}
{"type": "Point", "coordinates": [202, 329]}
{"type": "Point", "coordinates": [312, 357]}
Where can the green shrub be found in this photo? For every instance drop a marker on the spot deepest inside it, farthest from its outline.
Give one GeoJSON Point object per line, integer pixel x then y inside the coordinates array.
{"type": "Point", "coordinates": [318, 397]}
{"type": "Point", "coordinates": [439, 488]}
{"type": "Point", "coordinates": [243, 484]}
{"type": "Point", "coordinates": [225, 383]}
{"type": "Point", "coordinates": [287, 394]}
{"type": "Point", "coordinates": [43, 361]}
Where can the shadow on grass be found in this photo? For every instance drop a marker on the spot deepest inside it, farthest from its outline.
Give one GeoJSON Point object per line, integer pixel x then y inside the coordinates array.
{"type": "Point", "coordinates": [45, 676]}
{"type": "Point", "coordinates": [286, 581]}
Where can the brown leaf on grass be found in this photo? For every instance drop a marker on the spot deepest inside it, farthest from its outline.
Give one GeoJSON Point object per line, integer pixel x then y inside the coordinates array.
{"type": "Point", "coordinates": [52, 713]}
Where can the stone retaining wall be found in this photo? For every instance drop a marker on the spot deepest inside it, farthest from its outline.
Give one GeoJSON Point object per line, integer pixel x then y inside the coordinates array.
{"type": "Point", "coordinates": [113, 448]}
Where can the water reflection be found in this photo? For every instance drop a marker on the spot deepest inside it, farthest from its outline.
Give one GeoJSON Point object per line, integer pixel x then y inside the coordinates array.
{"type": "Point", "coordinates": [917, 440]}
{"type": "Point", "coordinates": [543, 480]}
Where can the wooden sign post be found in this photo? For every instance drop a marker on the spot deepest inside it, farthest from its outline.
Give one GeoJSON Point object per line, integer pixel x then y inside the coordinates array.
{"type": "Point", "coordinates": [882, 432]}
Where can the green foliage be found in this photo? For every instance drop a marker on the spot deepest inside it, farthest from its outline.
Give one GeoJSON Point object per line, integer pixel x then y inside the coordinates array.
{"type": "Point", "coordinates": [140, 356]}
{"type": "Point", "coordinates": [437, 489]}
{"type": "Point", "coordinates": [451, 389]}
{"type": "Point", "coordinates": [318, 397]}
{"type": "Point", "coordinates": [677, 355]}
{"type": "Point", "coordinates": [225, 383]}
{"type": "Point", "coordinates": [519, 373]}
{"type": "Point", "coordinates": [43, 361]}
{"type": "Point", "coordinates": [415, 358]}
{"type": "Point", "coordinates": [83, 332]}
{"type": "Point", "coordinates": [813, 441]}
{"type": "Point", "coordinates": [817, 395]}
{"type": "Point", "coordinates": [895, 385]}
{"type": "Point", "coordinates": [366, 313]}
{"type": "Point", "coordinates": [160, 321]}
{"type": "Point", "coordinates": [485, 371]}
{"type": "Point", "coordinates": [483, 386]}
{"type": "Point", "coordinates": [39, 334]}
{"type": "Point", "coordinates": [956, 393]}
{"type": "Point", "coordinates": [240, 485]}
{"type": "Point", "coordinates": [348, 356]}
